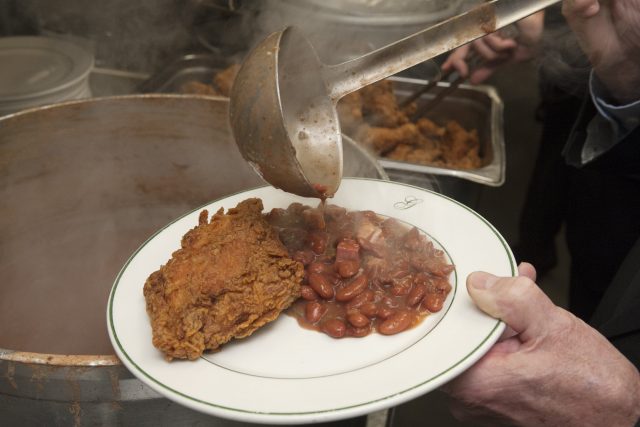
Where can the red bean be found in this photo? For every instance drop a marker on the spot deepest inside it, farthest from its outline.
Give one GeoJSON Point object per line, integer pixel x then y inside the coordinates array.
{"type": "Point", "coordinates": [317, 241]}
{"type": "Point", "coordinates": [369, 309]}
{"type": "Point", "coordinates": [308, 293]}
{"type": "Point", "coordinates": [321, 285]}
{"type": "Point", "coordinates": [335, 328]}
{"type": "Point", "coordinates": [352, 331]}
{"type": "Point", "coordinates": [313, 311]}
{"type": "Point", "coordinates": [357, 301]}
{"type": "Point", "coordinates": [385, 312]}
{"type": "Point", "coordinates": [396, 323]}
{"type": "Point", "coordinates": [347, 249]}
{"type": "Point", "coordinates": [358, 320]}
{"type": "Point", "coordinates": [433, 302]}
{"type": "Point", "coordinates": [320, 268]}
{"type": "Point", "coordinates": [442, 285]}
{"type": "Point", "coordinates": [347, 268]}
{"type": "Point", "coordinates": [305, 256]}
{"type": "Point", "coordinates": [416, 294]}
{"type": "Point", "coordinates": [353, 289]}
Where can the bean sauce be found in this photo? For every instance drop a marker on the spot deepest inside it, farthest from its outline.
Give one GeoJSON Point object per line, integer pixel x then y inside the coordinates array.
{"type": "Point", "coordinates": [363, 273]}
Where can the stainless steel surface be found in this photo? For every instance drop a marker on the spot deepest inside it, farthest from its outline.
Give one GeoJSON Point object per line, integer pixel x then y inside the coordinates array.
{"type": "Point", "coordinates": [283, 103]}
{"type": "Point", "coordinates": [282, 120]}
{"type": "Point", "coordinates": [474, 107]}
{"type": "Point", "coordinates": [486, 18]}
{"type": "Point", "coordinates": [187, 68]}
{"type": "Point", "coordinates": [42, 70]}
{"type": "Point", "coordinates": [82, 185]}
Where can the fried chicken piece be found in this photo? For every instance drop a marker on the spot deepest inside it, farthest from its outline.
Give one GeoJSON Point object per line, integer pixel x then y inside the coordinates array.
{"type": "Point", "coordinates": [429, 129]}
{"type": "Point", "coordinates": [224, 79]}
{"type": "Point", "coordinates": [383, 140]}
{"type": "Point", "coordinates": [463, 148]}
{"type": "Point", "coordinates": [373, 117]}
{"type": "Point", "coordinates": [380, 107]}
{"type": "Point", "coordinates": [231, 276]}
{"type": "Point", "coordinates": [425, 155]}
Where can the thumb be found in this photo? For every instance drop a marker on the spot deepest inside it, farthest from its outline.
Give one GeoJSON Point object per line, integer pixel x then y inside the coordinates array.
{"type": "Point", "coordinates": [517, 301]}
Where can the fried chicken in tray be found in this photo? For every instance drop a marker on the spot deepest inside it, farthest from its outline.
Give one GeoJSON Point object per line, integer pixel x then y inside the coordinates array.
{"type": "Point", "coordinates": [231, 276]}
{"type": "Point", "coordinates": [373, 117]}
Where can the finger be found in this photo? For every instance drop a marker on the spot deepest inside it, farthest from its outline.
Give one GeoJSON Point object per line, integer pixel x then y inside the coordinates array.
{"type": "Point", "coordinates": [456, 60]}
{"type": "Point", "coordinates": [461, 66]}
{"type": "Point", "coordinates": [485, 51]}
{"type": "Point", "coordinates": [500, 44]}
{"type": "Point", "coordinates": [518, 301]}
{"type": "Point", "coordinates": [527, 270]}
{"type": "Point", "coordinates": [580, 9]}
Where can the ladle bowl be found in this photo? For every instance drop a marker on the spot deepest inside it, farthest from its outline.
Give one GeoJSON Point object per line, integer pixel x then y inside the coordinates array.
{"type": "Point", "coordinates": [283, 118]}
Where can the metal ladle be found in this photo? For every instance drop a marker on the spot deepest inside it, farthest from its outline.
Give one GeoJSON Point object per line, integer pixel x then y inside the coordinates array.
{"type": "Point", "coordinates": [283, 101]}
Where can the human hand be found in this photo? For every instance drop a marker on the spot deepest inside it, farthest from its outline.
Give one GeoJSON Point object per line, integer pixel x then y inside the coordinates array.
{"type": "Point", "coordinates": [497, 49]}
{"type": "Point", "coordinates": [609, 34]}
{"type": "Point", "coordinates": [549, 368]}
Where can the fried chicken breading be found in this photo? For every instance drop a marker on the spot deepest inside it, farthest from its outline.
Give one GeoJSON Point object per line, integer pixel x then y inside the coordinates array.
{"type": "Point", "coordinates": [231, 276]}
{"type": "Point", "coordinates": [380, 107]}
{"type": "Point", "coordinates": [224, 79]}
{"type": "Point", "coordinates": [383, 140]}
{"type": "Point", "coordinates": [373, 116]}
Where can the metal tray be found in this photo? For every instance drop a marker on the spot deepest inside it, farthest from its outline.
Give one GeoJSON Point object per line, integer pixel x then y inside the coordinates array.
{"type": "Point", "coordinates": [474, 107]}
{"type": "Point", "coordinates": [188, 68]}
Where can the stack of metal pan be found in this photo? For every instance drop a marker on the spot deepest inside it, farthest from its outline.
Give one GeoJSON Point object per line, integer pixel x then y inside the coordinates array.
{"type": "Point", "coordinates": [41, 70]}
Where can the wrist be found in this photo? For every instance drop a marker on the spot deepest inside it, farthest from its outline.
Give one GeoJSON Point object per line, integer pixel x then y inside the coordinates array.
{"type": "Point", "coordinates": [621, 80]}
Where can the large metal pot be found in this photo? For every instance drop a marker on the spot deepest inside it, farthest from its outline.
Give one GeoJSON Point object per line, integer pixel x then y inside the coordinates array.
{"type": "Point", "coordinates": [82, 184]}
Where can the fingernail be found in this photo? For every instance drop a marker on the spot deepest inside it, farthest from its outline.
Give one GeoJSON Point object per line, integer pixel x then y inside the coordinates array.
{"type": "Point", "coordinates": [482, 280]}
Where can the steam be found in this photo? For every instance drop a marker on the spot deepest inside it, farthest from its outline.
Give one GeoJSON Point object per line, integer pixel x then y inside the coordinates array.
{"type": "Point", "coordinates": [132, 35]}
{"type": "Point", "coordinates": [144, 35]}
{"type": "Point", "coordinates": [561, 60]}
{"type": "Point", "coordinates": [340, 30]}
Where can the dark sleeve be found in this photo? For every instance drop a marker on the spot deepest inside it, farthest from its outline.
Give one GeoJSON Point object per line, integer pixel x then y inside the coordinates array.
{"type": "Point", "coordinates": [623, 159]}
{"type": "Point", "coordinates": [617, 316]}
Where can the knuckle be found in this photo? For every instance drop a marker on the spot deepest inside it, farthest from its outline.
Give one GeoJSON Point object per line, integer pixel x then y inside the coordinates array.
{"type": "Point", "coordinates": [564, 321]}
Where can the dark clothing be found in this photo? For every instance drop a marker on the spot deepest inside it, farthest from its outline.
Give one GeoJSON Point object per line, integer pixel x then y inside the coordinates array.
{"type": "Point", "coordinates": [599, 203]}
{"type": "Point", "coordinates": [618, 314]}
{"type": "Point", "coordinates": [545, 206]}
{"type": "Point", "coordinates": [602, 224]}
{"type": "Point", "coordinates": [603, 234]}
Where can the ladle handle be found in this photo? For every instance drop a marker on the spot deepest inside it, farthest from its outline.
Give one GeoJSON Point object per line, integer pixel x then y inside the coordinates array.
{"type": "Point", "coordinates": [486, 18]}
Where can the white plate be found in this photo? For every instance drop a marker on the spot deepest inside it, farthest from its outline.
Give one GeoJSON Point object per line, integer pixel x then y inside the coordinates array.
{"type": "Point", "coordinates": [284, 374]}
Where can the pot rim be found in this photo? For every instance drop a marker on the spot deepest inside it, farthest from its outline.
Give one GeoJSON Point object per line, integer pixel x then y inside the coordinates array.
{"type": "Point", "coordinates": [59, 359]}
